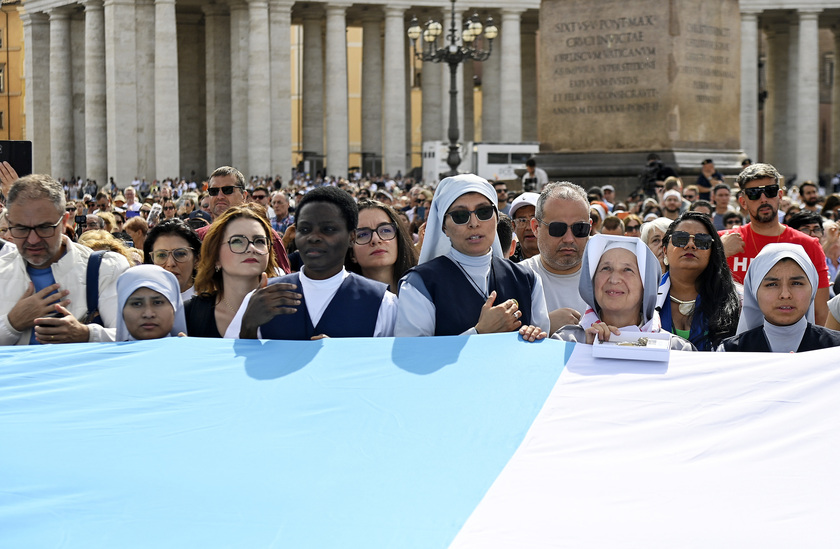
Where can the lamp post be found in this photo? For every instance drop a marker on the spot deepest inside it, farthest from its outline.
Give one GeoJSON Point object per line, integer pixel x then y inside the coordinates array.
{"type": "Point", "coordinates": [457, 47]}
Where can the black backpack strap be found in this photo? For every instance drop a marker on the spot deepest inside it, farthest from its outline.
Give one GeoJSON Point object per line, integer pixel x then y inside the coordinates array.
{"type": "Point", "coordinates": [92, 281]}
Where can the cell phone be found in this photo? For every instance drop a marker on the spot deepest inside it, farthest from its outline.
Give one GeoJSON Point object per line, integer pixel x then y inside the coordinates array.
{"type": "Point", "coordinates": [80, 219]}
{"type": "Point", "coordinates": [131, 213]}
{"type": "Point", "coordinates": [18, 154]}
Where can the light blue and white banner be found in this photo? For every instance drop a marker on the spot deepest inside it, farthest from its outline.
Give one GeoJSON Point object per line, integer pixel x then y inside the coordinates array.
{"type": "Point", "coordinates": [483, 441]}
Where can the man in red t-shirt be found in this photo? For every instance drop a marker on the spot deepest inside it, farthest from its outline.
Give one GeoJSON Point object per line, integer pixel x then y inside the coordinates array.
{"type": "Point", "coordinates": [760, 198]}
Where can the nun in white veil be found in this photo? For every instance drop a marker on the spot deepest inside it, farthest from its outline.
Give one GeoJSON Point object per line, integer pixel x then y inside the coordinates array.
{"type": "Point", "coordinates": [462, 284]}
{"type": "Point", "coordinates": [623, 274]}
{"type": "Point", "coordinates": [778, 311]}
{"type": "Point", "coordinates": [159, 319]}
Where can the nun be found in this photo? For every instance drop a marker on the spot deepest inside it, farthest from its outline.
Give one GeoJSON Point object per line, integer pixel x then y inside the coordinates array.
{"type": "Point", "coordinates": [462, 284]}
{"type": "Point", "coordinates": [149, 301]}
{"type": "Point", "coordinates": [619, 281]}
{"type": "Point", "coordinates": [778, 311]}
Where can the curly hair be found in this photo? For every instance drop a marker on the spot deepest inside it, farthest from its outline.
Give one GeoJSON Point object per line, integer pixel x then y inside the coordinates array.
{"type": "Point", "coordinates": [719, 302]}
{"type": "Point", "coordinates": [208, 280]}
{"type": "Point", "coordinates": [406, 253]}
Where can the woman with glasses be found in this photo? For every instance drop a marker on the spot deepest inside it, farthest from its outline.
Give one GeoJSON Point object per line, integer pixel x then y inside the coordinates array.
{"type": "Point", "coordinates": [235, 255]}
{"type": "Point", "coordinates": [169, 210]}
{"type": "Point", "coordinates": [323, 299]}
{"type": "Point", "coordinates": [618, 281]}
{"type": "Point", "coordinates": [174, 246]}
{"type": "Point", "coordinates": [633, 225]}
{"type": "Point", "coordinates": [382, 249]}
{"type": "Point", "coordinates": [463, 284]}
{"type": "Point", "coordinates": [697, 298]}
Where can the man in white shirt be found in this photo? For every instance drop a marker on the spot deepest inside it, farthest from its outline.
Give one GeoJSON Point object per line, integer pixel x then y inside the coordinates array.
{"type": "Point", "coordinates": [534, 178]}
{"type": "Point", "coordinates": [562, 227]}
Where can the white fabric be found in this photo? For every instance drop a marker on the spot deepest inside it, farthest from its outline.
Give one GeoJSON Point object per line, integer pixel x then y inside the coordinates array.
{"type": "Point", "coordinates": [157, 279]}
{"type": "Point", "coordinates": [435, 242]}
{"type": "Point", "coordinates": [318, 294]}
{"type": "Point", "coordinates": [751, 315]}
{"type": "Point", "coordinates": [524, 199]}
{"type": "Point", "coordinates": [416, 314]}
{"type": "Point", "coordinates": [561, 291]}
{"type": "Point", "coordinates": [187, 294]}
{"type": "Point", "coordinates": [739, 451]}
{"type": "Point", "coordinates": [70, 271]}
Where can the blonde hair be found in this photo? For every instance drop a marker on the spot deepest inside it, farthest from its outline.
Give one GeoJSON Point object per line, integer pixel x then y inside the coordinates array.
{"type": "Point", "coordinates": [103, 240]}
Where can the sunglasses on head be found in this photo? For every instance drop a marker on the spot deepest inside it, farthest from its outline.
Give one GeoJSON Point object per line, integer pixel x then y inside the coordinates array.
{"type": "Point", "coordinates": [227, 189]}
{"type": "Point", "coordinates": [580, 229]}
{"type": "Point", "coordinates": [770, 191]}
{"type": "Point", "coordinates": [701, 241]}
{"type": "Point", "coordinates": [482, 213]}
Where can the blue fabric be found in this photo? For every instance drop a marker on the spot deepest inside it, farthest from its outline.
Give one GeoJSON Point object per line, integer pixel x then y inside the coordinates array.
{"type": "Point", "coordinates": [458, 304]}
{"type": "Point", "coordinates": [352, 312]}
{"type": "Point", "coordinates": [185, 442]}
{"type": "Point", "coordinates": [41, 278]}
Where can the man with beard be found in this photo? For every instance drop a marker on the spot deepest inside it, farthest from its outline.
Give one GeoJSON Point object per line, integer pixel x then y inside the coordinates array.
{"type": "Point", "coordinates": [760, 198]}
{"type": "Point", "coordinates": [562, 228]}
{"type": "Point", "coordinates": [671, 204]}
{"type": "Point", "coordinates": [810, 196]}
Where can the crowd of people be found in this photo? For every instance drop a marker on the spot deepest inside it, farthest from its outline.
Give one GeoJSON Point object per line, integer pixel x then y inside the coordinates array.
{"type": "Point", "coordinates": [743, 266]}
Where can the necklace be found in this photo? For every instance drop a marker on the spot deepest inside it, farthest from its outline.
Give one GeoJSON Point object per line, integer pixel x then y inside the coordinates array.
{"type": "Point", "coordinates": [686, 307]}
{"type": "Point", "coordinates": [231, 309]}
{"type": "Point", "coordinates": [474, 285]}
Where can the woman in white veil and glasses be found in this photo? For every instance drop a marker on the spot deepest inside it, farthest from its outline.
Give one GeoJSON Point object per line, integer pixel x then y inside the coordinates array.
{"type": "Point", "coordinates": [778, 311]}
{"type": "Point", "coordinates": [619, 280]}
{"type": "Point", "coordinates": [462, 284]}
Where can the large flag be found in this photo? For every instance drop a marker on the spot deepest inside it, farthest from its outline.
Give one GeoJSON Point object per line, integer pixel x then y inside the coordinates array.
{"type": "Point", "coordinates": [483, 441]}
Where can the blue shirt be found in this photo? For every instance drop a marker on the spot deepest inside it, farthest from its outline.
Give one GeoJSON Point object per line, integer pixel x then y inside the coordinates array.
{"type": "Point", "coordinates": [41, 278]}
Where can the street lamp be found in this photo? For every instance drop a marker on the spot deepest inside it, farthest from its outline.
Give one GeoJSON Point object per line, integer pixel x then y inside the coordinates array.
{"type": "Point", "coordinates": [456, 48]}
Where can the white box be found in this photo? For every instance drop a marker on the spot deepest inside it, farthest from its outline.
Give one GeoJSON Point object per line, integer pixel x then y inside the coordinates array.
{"type": "Point", "coordinates": [658, 347]}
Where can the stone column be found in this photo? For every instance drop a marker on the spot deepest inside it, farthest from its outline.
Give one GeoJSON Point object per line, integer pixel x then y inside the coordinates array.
{"type": "Point", "coordinates": [96, 128]}
{"type": "Point", "coordinates": [835, 104]}
{"type": "Point", "coordinates": [61, 95]}
{"type": "Point", "coordinates": [491, 98]}
{"type": "Point", "coordinates": [775, 114]}
{"type": "Point", "coordinates": [372, 83]}
{"type": "Point", "coordinates": [394, 104]}
{"type": "Point", "coordinates": [313, 84]}
{"type": "Point", "coordinates": [36, 36]}
{"type": "Point", "coordinates": [167, 138]}
{"type": "Point", "coordinates": [217, 59]}
{"type": "Point", "coordinates": [121, 86]}
{"type": "Point", "coordinates": [192, 90]}
{"type": "Point", "coordinates": [789, 143]}
{"type": "Point", "coordinates": [433, 94]}
{"type": "Point", "coordinates": [280, 21]}
{"type": "Point", "coordinates": [259, 100]}
{"type": "Point", "coordinates": [529, 83]}
{"type": "Point", "coordinates": [335, 80]}
{"type": "Point", "coordinates": [144, 12]}
{"type": "Point", "coordinates": [511, 90]}
{"type": "Point", "coordinates": [468, 131]}
{"type": "Point", "coordinates": [749, 84]}
{"type": "Point", "coordinates": [808, 98]}
{"type": "Point", "coordinates": [239, 28]}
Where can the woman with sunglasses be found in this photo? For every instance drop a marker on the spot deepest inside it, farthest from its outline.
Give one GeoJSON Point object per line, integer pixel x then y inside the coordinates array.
{"type": "Point", "coordinates": [169, 210]}
{"type": "Point", "coordinates": [618, 281]}
{"type": "Point", "coordinates": [697, 298]}
{"type": "Point", "coordinates": [633, 225]}
{"type": "Point", "coordinates": [382, 248]}
{"type": "Point", "coordinates": [174, 246]}
{"type": "Point", "coordinates": [235, 255]}
{"type": "Point", "coordinates": [463, 284]}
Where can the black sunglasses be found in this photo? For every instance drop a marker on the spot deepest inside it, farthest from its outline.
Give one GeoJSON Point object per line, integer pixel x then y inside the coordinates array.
{"type": "Point", "coordinates": [770, 191]}
{"type": "Point", "coordinates": [482, 213]}
{"type": "Point", "coordinates": [580, 229]}
{"type": "Point", "coordinates": [227, 189]}
{"type": "Point", "coordinates": [702, 241]}
{"type": "Point", "coordinates": [632, 228]}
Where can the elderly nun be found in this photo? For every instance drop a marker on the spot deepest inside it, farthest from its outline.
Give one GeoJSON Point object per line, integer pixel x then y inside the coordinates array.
{"type": "Point", "coordinates": [619, 281]}
{"type": "Point", "coordinates": [462, 284]}
{"type": "Point", "coordinates": [778, 311]}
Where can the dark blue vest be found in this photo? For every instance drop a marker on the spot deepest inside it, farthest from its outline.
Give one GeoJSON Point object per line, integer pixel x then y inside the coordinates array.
{"type": "Point", "coordinates": [458, 304]}
{"type": "Point", "coordinates": [755, 341]}
{"type": "Point", "coordinates": [351, 313]}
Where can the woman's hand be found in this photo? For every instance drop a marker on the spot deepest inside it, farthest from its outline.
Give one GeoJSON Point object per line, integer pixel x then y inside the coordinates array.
{"type": "Point", "coordinates": [600, 330]}
{"type": "Point", "coordinates": [532, 333]}
{"type": "Point", "coordinates": [266, 303]}
{"type": "Point", "coordinates": [500, 318]}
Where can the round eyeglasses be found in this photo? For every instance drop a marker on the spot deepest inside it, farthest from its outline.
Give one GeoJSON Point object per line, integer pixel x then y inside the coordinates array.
{"type": "Point", "coordinates": [385, 231]}
{"type": "Point", "coordinates": [238, 244]}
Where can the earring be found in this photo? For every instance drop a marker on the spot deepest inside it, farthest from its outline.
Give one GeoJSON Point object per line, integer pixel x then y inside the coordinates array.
{"type": "Point", "coordinates": [665, 260]}
{"type": "Point", "coordinates": [218, 268]}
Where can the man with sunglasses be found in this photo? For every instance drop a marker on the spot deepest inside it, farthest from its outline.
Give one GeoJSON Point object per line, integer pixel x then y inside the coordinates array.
{"type": "Point", "coordinates": [561, 226]}
{"type": "Point", "coordinates": [226, 189]}
{"type": "Point", "coordinates": [760, 197]}
{"type": "Point", "coordinates": [45, 278]}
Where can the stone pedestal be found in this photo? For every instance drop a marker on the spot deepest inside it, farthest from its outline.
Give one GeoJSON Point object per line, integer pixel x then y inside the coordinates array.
{"type": "Point", "coordinates": [629, 77]}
